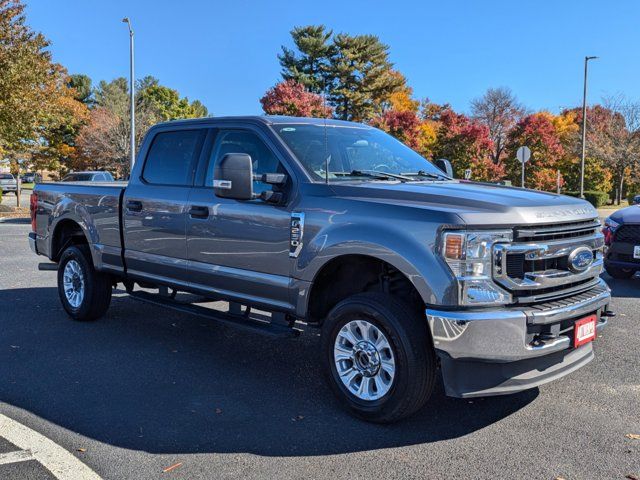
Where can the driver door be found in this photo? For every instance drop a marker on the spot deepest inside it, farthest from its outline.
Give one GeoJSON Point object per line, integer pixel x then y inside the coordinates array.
{"type": "Point", "coordinates": [240, 249]}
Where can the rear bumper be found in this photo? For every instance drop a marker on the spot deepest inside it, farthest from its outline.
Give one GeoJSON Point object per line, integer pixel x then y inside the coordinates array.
{"type": "Point", "coordinates": [493, 352]}
{"type": "Point", "coordinates": [32, 242]}
{"type": "Point", "coordinates": [620, 254]}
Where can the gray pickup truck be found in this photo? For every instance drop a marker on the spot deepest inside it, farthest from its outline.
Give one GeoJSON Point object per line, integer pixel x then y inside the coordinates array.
{"type": "Point", "coordinates": [411, 275]}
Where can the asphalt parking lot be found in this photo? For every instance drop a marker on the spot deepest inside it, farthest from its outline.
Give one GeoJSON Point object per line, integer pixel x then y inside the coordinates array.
{"type": "Point", "coordinates": [145, 389]}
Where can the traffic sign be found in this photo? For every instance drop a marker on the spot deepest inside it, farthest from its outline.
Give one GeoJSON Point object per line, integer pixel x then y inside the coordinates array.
{"type": "Point", "coordinates": [523, 154]}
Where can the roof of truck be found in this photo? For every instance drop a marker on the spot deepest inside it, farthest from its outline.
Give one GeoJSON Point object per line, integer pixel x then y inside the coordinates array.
{"type": "Point", "coordinates": [266, 119]}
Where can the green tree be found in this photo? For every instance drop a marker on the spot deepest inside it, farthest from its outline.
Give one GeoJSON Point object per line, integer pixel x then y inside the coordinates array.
{"type": "Point", "coordinates": [83, 88]}
{"type": "Point", "coordinates": [310, 64]}
{"type": "Point", "coordinates": [362, 79]}
{"type": "Point", "coordinates": [168, 104]}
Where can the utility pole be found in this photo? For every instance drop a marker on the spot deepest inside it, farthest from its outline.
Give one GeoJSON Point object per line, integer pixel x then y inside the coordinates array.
{"type": "Point", "coordinates": [584, 125]}
{"type": "Point", "coordinates": [131, 96]}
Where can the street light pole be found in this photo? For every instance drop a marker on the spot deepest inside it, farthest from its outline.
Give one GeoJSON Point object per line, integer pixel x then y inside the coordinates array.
{"type": "Point", "coordinates": [584, 125]}
{"type": "Point", "coordinates": [131, 96]}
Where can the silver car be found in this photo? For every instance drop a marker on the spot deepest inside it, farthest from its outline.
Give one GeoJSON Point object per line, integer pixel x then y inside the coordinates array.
{"type": "Point", "coordinates": [8, 183]}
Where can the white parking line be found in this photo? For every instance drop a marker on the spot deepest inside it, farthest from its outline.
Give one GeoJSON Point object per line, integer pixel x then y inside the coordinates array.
{"type": "Point", "coordinates": [62, 464]}
{"type": "Point", "coordinates": [15, 457]}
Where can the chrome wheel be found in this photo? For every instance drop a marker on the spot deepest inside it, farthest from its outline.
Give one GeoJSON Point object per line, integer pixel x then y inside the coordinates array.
{"type": "Point", "coordinates": [364, 360]}
{"type": "Point", "coordinates": [73, 283]}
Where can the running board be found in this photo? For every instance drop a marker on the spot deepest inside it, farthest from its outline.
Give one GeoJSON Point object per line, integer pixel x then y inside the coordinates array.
{"type": "Point", "coordinates": [241, 322]}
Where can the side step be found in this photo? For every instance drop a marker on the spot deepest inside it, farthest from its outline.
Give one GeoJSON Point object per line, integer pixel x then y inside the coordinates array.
{"type": "Point", "coordinates": [241, 322]}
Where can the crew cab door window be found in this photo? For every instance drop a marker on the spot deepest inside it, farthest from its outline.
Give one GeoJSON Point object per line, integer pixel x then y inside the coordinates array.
{"type": "Point", "coordinates": [171, 158]}
{"type": "Point", "coordinates": [244, 141]}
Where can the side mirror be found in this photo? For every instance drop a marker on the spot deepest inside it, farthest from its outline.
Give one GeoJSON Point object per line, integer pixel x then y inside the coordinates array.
{"type": "Point", "coordinates": [445, 165]}
{"type": "Point", "coordinates": [233, 177]}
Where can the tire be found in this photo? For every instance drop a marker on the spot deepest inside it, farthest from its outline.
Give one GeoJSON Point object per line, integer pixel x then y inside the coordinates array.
{"type": "Point", "coordinates": [385, 398]}
{"type": "Point", "coordinates": [620, 273]}
{"type": "Point", "coordinates": [95, 296]}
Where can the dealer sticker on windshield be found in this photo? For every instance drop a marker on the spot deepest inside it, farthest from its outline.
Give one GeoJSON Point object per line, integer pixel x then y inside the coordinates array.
{"type": "Point", "coordinates": [584, 330]}
{"type": "Point", "coordinates": [636, 251]}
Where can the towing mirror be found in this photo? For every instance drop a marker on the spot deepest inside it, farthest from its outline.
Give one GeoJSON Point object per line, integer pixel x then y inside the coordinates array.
{"type": "Point", "coordinates": [233, 177]}
{"type": "Point", "coordinates": [445, 165]}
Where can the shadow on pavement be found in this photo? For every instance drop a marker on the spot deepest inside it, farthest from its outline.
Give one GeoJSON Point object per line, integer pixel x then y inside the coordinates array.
{"type": "Point", "coordinates": [154, 380]}
{"type": "Point", "coordinates": [625, 288]}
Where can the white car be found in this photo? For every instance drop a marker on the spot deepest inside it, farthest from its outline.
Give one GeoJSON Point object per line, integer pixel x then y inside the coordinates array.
{"type": "Point", "coordinates": [8, 183]}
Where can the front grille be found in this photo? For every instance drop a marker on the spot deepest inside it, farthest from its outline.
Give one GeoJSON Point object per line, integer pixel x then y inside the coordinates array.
{"type": "Point", "coordinates": [535, 267]}
{"type": "Point", "coordinates": [517, 265]}
{"type": "Point", "coordinates": [628, 234]}
{"type": "Point", "coordinates": [556, 231]}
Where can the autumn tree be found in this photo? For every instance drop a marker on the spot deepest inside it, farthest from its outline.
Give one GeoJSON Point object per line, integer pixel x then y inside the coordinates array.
{"type": "Point", "coordinates": [465, 143]}
{"type": "Point", "coordinates": [499, 110]}
{"type": "Point", "coordinates": [166, 101]}
{"type": "Point", "coordinates": [537, 132]}
{"type": "Point", "coordinates": [291, 98]}
{"type": "Point", "coordinates": [614, 136]}
{"type": "Point", "coordinates": [36, 101]}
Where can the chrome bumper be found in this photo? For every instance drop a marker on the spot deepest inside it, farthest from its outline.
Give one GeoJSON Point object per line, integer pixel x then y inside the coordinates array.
{"type": "Point", "coordinates": [504, 335]}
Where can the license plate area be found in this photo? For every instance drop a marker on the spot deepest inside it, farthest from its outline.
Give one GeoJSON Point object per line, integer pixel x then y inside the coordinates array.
{"type": "Point", "coordinates": [584, 330]}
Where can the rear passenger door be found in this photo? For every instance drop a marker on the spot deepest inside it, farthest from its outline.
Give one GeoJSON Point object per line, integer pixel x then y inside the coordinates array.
{"type": "Point", "coordinates": [240, 248]}
{"type": "Point", "coordinates": [155, 207]}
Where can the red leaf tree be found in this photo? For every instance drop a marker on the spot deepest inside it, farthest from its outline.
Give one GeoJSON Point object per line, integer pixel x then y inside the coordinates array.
{"type": "Point", "coordinates": [466, 143]}
{"type": "Point", "coordinates": [291, 98]}
{"type": "Point", "coordinates": [537, 132]}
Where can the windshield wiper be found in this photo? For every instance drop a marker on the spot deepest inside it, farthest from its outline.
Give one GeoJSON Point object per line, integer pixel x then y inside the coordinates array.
{"type": "Point", "coordinates": [422, 173]}
{"type": "Point", "coordinates": [377, 174]}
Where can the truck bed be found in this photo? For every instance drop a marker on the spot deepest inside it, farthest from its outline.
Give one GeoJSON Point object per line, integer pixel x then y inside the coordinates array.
{"type": "Point", "coordinates": [96, 204]}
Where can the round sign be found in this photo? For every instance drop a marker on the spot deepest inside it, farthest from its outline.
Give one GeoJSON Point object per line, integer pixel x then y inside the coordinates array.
{"type": "Point", "coordinates": [523, 154]}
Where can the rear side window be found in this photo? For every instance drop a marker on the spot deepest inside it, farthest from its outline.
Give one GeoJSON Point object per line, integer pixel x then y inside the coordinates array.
{"type": "Point", "coordinates": [171, 158]}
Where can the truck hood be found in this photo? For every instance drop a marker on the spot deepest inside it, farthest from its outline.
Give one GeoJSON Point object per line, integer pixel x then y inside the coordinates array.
{"type": "Point", "coordinates": [630, 214]}
{"type": "Point", "coordinates": [474, 203]}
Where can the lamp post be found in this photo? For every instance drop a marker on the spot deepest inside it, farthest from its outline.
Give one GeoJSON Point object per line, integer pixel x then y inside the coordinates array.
{"type": "Point", "coordinates": [132, 96]}
{"type": "Point", "coordinates": [584, 124]}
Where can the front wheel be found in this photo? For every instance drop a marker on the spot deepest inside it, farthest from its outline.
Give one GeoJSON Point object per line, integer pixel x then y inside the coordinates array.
{"type": "Point", "coordinates": [379, 355]}
{"type": "Point", "coordinates": [84, 292]}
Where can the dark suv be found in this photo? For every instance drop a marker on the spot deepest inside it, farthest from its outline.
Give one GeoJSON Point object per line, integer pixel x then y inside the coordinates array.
{"type": "Point", "coordinates": [622, 240]}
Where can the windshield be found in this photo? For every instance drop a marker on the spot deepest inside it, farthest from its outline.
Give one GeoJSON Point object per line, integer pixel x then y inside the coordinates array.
{"type": "Point", "coordinates": [6, 176]}
{"type": "Point", "coordinates": [354, 151]}
{"type": "Point", "coordinates": [78, 177]}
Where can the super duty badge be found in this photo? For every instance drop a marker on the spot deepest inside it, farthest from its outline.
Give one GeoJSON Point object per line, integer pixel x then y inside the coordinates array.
{"type": "Point", "coordinates": [296, 228]}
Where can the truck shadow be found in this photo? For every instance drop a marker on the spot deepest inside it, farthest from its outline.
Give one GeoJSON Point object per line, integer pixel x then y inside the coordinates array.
{"type": "Point", "coordinates": [149, 379]}
{"type": "Point", "coordinates": [624, 288]}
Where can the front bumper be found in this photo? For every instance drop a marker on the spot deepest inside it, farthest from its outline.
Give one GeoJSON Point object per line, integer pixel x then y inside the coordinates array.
{"type": "Point", "coordinates": [494, 352]}
{"type": "Point", "coordinates": [9, 188]}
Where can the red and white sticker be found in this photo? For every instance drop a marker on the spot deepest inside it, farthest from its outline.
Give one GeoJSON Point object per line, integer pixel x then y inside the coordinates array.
{"type": "Point", "coordinates": [584, 330]}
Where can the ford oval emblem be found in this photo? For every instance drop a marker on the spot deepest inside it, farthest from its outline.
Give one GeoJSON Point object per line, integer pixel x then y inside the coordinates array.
{"type": "Point", "coordinates": [580, 259]}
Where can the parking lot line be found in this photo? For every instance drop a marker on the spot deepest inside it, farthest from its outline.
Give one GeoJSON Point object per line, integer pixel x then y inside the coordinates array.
{"type": "Point", "coordinates": [62, 464]}
{"type": "Point", "coordinates": [15, 457]}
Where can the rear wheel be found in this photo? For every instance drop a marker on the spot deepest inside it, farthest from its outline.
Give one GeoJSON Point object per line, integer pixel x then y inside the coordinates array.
{"type": "Point", "coordinates": [379, 356]}
{"type": "Point", "coordinates": [618, 272]}
{"type": "Point", "coordinates": [84, 292]}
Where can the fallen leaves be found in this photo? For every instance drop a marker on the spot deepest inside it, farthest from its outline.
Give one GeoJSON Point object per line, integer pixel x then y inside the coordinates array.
{"type": "Point", "coordinates": [82, 450]}
{"type": "Point", "coordinates": [631, 476]}
{"type": "Point", "coordinates": [172, 467]}
{"type": "Point", "coordinates": [633, 436]}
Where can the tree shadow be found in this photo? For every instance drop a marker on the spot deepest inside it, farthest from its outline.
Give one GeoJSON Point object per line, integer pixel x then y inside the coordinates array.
{"type": "Point", "coordinates": [150, 379]}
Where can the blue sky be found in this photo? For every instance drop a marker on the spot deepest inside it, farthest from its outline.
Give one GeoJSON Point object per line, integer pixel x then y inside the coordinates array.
{"type": "Point", "coordinates": [223, 52]}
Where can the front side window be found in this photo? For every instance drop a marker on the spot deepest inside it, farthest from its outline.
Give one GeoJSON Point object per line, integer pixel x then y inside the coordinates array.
{"type": "Point", "coordinates": [170, 160]}
{"type": "Point", "coordinates": [352, 152]}
{"type": "Point", "coordinates": [244, 141]}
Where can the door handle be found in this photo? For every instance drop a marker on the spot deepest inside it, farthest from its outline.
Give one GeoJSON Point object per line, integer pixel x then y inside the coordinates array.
{"type": "Point", "coordinates": [199, 211]}
{"type": "Point", "coordinates": [134, 205]}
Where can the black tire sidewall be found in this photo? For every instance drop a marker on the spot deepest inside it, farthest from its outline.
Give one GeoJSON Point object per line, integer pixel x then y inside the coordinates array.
{"type": "Point", "coordinates": [350, 310]}
{"type": "Point", "coordinates": [77, 254]}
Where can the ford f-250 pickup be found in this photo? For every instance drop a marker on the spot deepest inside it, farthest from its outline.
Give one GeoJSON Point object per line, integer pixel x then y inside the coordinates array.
{"type": "Point", "coordinates": [410, 274]}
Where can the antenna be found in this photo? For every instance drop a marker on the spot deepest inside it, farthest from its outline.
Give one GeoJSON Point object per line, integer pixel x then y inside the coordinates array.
{"type": "Point", "coordinates": [326, 146]}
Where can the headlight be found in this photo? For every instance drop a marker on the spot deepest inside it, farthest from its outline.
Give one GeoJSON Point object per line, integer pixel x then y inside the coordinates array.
{"type": "Point", "coordinates": [469, 256]}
